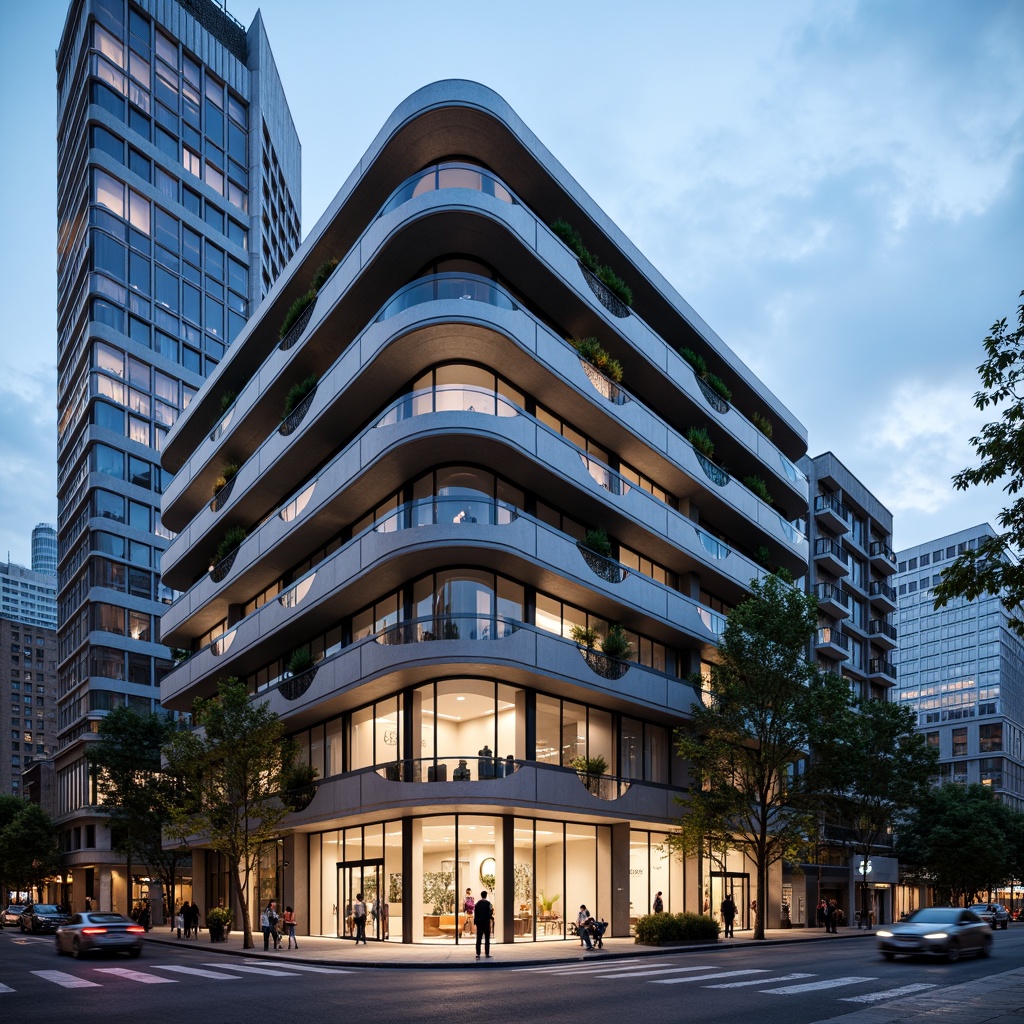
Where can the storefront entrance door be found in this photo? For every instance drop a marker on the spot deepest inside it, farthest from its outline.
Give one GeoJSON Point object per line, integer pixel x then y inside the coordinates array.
{"type": "Point", "coordinates": [356, 877]}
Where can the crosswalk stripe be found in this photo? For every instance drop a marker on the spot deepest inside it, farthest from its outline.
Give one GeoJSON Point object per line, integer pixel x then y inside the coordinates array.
{"type": "Point", "coordinates": [5, 988]}
{"type": "Point", "coordinates": [587, 967]}
{"type": "Point", "coordinates": [270, 972]}
{"type": "Point", "coordinates": [704, 977]}
{"type": "Point", "coordinates": [146, 979]}
{"type": "Point", "coordinates": [65, 980]}
{"type": "Point", "coordinates": [630, 970]}
{"type": "Point", "coordinates": [197, 971]}
{"type": "Point", "coordinates": [814, 986]}
{"type": "Point", "coordinates": [892, 993]}
{"type": "Point", "coordinates": [306, 967]}
{"type": "Point", "coordinates": [760, 981]}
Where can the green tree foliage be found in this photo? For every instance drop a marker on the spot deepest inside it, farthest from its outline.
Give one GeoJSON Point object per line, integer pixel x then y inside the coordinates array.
{"type": "Point", "coordinates": [239, 774]}
{"type": "Point", "coordinates": [989, 569]}
{"type": "Point", "coordinates": [960, 840]}
{"type": "Point", "coordinates": [747, 738]}
{"type": "Point", "coordinates": [137, 793]}
{"type": "Point", "coordinates": [28, 845]}
{"type": "Point", "coordinates": [870, 768]}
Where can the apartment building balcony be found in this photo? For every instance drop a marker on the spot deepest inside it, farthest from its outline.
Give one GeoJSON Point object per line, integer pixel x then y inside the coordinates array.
{"type": "Point", "coordinates": [832, 601]}
{"type": "Point", "coordinates": [882, 557]}
{"type": "Point", "coordinates": [832, 643]}
{"type": "Point", "coordinates": [883, 635]}
{"type": "Point", "coordinates": [830, 556]}
{"type": "Point", "coordinates": [830, 512]}
{"type": "Point", "coordinates": [882, 670]}
{"type": "Point", "coordinates": [882, 596]}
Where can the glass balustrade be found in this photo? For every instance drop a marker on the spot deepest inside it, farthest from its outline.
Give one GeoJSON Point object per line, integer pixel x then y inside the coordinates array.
{"type": "Point", "coordinates": [448, 174]}
{"type": "Point", "coordinates": [447, 398]}
{"type": "Point", "coordinates": [437, 287]}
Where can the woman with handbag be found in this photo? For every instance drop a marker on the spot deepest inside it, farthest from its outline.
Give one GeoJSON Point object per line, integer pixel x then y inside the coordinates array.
{"type": "Point", "coordinates": [289, 927]}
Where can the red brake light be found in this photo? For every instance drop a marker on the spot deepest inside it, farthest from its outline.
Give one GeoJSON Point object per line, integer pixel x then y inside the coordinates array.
{"type": "Point", "coordinates": [94, 931]}
{"type": "Point", "coordinates": [135, 929]}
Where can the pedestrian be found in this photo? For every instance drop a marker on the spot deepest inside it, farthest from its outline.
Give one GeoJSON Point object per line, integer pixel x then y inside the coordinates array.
{"type": "Point", "coordinates": [468, 903]}
{"type": "Point", "coordinates": [88, 904]}
{"type": "Point", "coordinates": [483, 915]}
{"type": "Point", "coordinates": [821, 913]}
{"type": "Point", "coordinates": [385, 919]}
{"type": "Point", "coordinates": [146, 916]}
{"type": "Point", "coordinates": [600, 927]}
{"type": "Point", "coordinates": [180, 921]}
{"type": "Point", "coordinates": [359, 918]}
{"type": "Point", "coordinates": [268, 922]}
{"type": "Point", "coordinates": [581, 920]}
{"type": "Point", "coordinates": [289, 927]}
{"type": "Point", "coordinates": [830, 917]}
{"type": "Point", "coordinates": [728, 910]}
{"type": "Point", "coordinates": [659, 904]}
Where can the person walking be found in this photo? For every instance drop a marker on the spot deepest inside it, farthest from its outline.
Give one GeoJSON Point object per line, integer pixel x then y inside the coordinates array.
{"type": "Point", "coordinates": [289, 927]}
{"type": "Point", "coordinates": [483, 915]}
{"type": "Point", "coordinates": [830, 917]}
{"type": "Point", "coordinates": [581, 925]}
{"type": "Point", "coordinates": [728, 910]}
{"type": "Point", "coordinates": [359, 918]}
{"type": "Point", "coordinates": [193, 916]}
{"type": "Point", "coordinates": [268, 922]}
{"type": "Point", "coordinates": [658, 906]}
{"type": "Point", "coordinates": [821, 913]}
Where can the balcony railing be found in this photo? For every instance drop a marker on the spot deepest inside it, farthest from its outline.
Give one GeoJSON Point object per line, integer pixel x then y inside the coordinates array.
{"type": "Point", "coordinates": [450, 174]}
{"type": "Point", "coordinates": [880, 589]}
{"type": "Point", "coordinates": [437, 287]}
{"type": "Point", "coordinates": [882, 551]}
{"type": "Point", "coordinates": [834, 636]}
{"type": "Point", "coordinates": [881, 667]}
{"type": "Point", "coordinates": [882, 628]}
{"type": "Point", "coordinates": [830, 503]}
{"type": "Point", "coordinates": [826, 547]}
{"type": "Point", "coordinates": [832, 594]}
{"type": "Point", "coordinates": [447, 627]}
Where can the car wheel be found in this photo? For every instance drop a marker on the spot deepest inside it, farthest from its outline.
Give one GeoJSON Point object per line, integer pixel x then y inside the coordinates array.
{"type": "Point", "coordinates": [135, 953]}
{"type": "Point", "coordinates": [56, 945]}
{"type": "Point", "coordinates": [986, 948]}
{"type": "Point", "coordinates": [76, 949]}
{"type": "Point", "coordinates": [888, 955]}
{"type": "Point", "coordinates": [953, 953]}
{"type": "Point", "coordinates": [21, 925]}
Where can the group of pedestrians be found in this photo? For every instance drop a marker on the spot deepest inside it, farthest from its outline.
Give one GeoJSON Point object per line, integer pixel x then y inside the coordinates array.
{"type": "Point", "coordinates": [590, 930]}
{"type": "Point", "coordinates": [830, 916]}
{"type": "Point", "coordinates": [186, 920]}
{"type": "Point", "coordinates": [269, 921]}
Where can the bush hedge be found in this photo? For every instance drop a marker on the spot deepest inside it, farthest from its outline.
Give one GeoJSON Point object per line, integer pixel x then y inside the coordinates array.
{"type": "Point", "coordinates": [661, 929]}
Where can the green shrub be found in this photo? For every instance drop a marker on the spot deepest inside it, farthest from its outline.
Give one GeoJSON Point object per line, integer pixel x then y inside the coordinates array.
{"type": "Point", "coordinates": [701, 441]}
{"type": "Point", "coordinates": [762, 423]}
{"type": "Point", "coordinates": [597, 540]}
{"type": "Point", "coordinates": [700, 367]}
{"type": "Point", "coordinates": [227, 472]}
{"type": "Point", "coordinates": [585, 636]}
{"type": "Point", "coordinates": [591, 350]}
{"type": "Point", "coordinates": [323, 272]}
{"type": "Point", "coordinates": [659, 929]}
{"type": "Point", "coordinates": [300, 661]}
{"type": "Point", "coordinates": [233, 537]}
{"type": "Point", "coordinates": [589, 765]}
{"type": "Point", "coordinates": [227, 400]}
{"type": "Point", "coordinates": [719, 385]}
{"type": "Point", "coordinates": [616, 644]}
{"type": "Point", "coordinates": [759, 487]}
{"type": "Point", "coordinates": [763, 557]}
{"type": "Point", "coordinates": [615, 284]}
{"type": "Point", "coordinates": [568, 234]}
{"type": "Point", "coordinates": [298, 392]}
{"type": "Point", "coordinates": [295, 310]}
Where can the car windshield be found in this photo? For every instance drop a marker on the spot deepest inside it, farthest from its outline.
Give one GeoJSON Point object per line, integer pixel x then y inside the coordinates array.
{"type": "Point", "coordinates": [45, 908]}
{"type": "Point", "coordinates": [935, 915]}
{"type": "Point", "coordinates": [981, 908]}
{"type": "Point", "coordinates": [107, 918]}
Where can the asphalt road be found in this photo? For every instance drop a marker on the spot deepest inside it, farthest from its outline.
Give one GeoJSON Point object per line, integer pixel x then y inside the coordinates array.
{"type": "Point", "coordinates": [782, 984]}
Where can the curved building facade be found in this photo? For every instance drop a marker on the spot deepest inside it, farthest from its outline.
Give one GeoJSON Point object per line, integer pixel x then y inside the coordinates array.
{"type": "Point", "coordinates": [473, 571]}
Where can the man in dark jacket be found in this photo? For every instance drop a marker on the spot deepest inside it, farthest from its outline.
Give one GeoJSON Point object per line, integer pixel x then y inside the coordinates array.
{"type": "Point", "coordinates": [483, 914]}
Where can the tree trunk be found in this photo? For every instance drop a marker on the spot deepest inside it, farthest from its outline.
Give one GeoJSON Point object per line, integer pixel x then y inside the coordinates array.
{"type": "Point", "coordinates": [762, 891]}
{"type": "Point", "coordinates": [241, 894]}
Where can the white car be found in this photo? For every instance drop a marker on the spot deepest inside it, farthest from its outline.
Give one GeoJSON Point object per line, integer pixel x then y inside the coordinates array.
{"type": "Point", "coordinates": [994, 914]}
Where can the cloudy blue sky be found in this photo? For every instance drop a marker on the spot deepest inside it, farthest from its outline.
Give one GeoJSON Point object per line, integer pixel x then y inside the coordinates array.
{"type": "Point", "coordinates": [836, 187]}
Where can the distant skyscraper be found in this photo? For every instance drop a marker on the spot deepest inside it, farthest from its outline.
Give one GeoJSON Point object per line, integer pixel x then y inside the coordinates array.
{"type": "Point", "coordinates": [44, 549]}
{"type": "Point", "coordinates": [178, 205]}
{"type": "Point", "coordinates": [961, 669]}
{"type": "Point", "coordinates": [27, 596]}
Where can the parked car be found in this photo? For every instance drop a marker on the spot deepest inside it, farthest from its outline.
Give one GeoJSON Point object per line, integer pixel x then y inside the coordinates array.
{"type": "Point", "coordinates": [994, 914]}
{"type": "Point", "coordinates": [99, 930]}
{"type": "Point", "coordinates": [12, 915]}
{"type": "Point", "coordinates": [42, 917]}
{"type": "Point", "coordinates": [937, 931]}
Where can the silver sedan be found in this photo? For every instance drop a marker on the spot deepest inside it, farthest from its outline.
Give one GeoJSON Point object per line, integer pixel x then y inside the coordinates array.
{"type": "Point", "coordinates": [949, 932]}
{"type": "Point", "coordinates": [98, 930]}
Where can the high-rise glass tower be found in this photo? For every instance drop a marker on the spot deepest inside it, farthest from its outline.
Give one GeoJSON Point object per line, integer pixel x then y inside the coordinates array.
{"type": "Point", "coordinates": [44, 549]}
{"type": "Point", "coordinates": [178, 201]}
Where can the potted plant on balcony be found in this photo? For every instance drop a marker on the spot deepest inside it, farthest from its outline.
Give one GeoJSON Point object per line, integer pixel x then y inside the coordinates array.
{"type": "Point", "coordinates": [760, 488]}
{"type": "Point", "coordinates": [301, 669]}
{"type": "Point", "coordinates": [295, 310]}
{"type": "Point", "coordinates": [597, 540]}
{"type": "Point", "coordinates": [590, 770]}
{"type": "Point", "coordinates": [701, 441]}
{"type": "Point", "coordinates": [228, 472]}
{"type": "Point", "coordinates": [762, 423]}
{"type": "Point", "coordinates": [595, 354]}
{"type": "Point", "coordinates": [706, 377]}
{"type": "Point", "coordinates": [618, 289]}
{"type": "Point", "coordinates": [616, 644]}
{"type": "Point", "coordinates": [584, 636]}
{"type": "Point", "coordinates": [298, 392]}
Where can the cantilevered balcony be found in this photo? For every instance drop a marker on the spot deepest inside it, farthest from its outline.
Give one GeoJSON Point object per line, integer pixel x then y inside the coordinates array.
{"type": "Point", "coordinates": [832, 601]}
{"type": "Point", "coordinates": [830, 556]}
{"type": "Point", "coordinates": [883, 597]}
{"type": "Point", "coordinates": [881, 670]}
{"type": "Point", "coordinates": [882, 557]}
{"type": "Point", "coordinates": [883, 635]}
{"type": "Point", "coordinates": [832, 643]}
{"type": "Point", "coordinates": [831, 513]}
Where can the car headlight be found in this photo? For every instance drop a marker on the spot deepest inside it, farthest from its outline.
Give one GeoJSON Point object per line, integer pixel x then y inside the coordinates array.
{"type": "Point", "coordinates": [937, 935]}
{"type": "Point", "coordinates": [884, 935]}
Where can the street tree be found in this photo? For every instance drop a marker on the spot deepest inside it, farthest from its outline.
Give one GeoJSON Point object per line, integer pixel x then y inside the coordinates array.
{"type": "Point", "coordinates": [957, 839]}
{"type": "Point", "coordinates": [870, 767]}
{"type": "Point", "coordinates": [746, 741]}
{"type": "Point", "coordinates": [10, 807]}
{"type": "Point", "coordinates": [137, 792]}
{"type": "Point", "coordinates": [991, 568]}
{"type": "Point", "coordinates": [240, 778]}
{"type": "Point", "coordinates": [28, 847]}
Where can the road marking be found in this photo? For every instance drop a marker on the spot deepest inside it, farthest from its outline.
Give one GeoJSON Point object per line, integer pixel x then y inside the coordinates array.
{"type": "Point", "coordinates": [5, 988]}
{"type": "Point", "coordinates": [306, 967]}
{"type": "Point", "coordinates": [588, 966]}
{"type": "Point", "coordinates": [892, 993]}
{"type": "Point", "coordinates": [814, 986]}
{"type": "Point", "coordinates": [704, 977]}
{"type": "Point", "coordinates": [146, 979]}
{"type": "Point", "coordinates": [197, 971]}
{"type": "Point", "coordinates": [65, 980]}
{"type": "Point", "coordinates": [629, 971]}
{"type": "Point", "coordinates": [270, 972]}
{"type": "Point", "coordinates": [760, 981]}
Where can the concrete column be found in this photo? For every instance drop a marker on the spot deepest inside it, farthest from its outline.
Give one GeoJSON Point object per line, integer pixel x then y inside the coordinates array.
{"type": "Point", "coordinates": [619, 924]}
